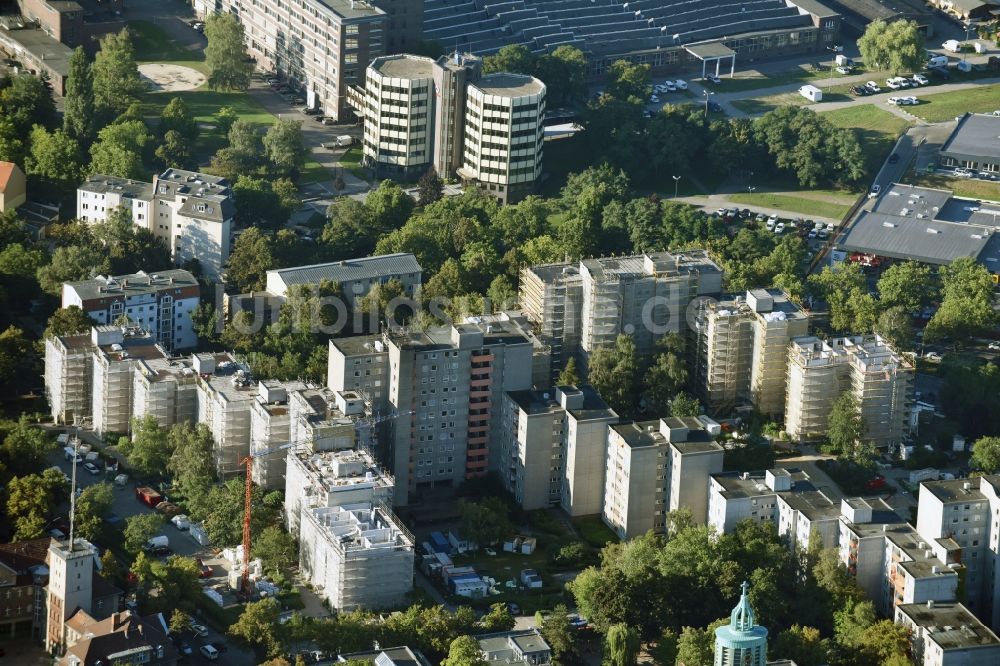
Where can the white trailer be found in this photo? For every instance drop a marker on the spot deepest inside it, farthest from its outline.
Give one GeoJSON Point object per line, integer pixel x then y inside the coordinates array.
{"type": "Point", "coordinates": [811, 93]}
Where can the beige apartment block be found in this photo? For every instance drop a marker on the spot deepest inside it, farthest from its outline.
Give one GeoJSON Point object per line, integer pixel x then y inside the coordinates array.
{"type": "Point", "coordinates": [166, 389]}
{"type": "Point", "coordinates": [777, 320]}
{"type": "Point", "coordinates": [879, 378]}
{"type": "Point", "coordinates": [226, 390]}
{"type": "Point", "coordinates": [587, 421]}
{"type": "Point", "coordinates": [724, 353]}
{"type": "Point", "coordinates": [551, 297]}
{"type": "Point", "coordinates": [68, 369]}
{"type": "Point", "coordinates": [116, 352]}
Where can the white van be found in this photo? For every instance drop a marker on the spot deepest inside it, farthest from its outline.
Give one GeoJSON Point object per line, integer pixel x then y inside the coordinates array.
{"type": "Point", "coordinates": [938, 61]}
{"type": "Point", "coordinates": [952, 45]}
{"type": "Point", "coordinates": [345, 140]}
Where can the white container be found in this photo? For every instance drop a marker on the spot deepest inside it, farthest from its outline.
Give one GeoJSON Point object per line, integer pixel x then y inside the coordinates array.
{"type": "Point", "coordinates": [952, 45]}
{"type": "Point", "coordinates": [811, 93]}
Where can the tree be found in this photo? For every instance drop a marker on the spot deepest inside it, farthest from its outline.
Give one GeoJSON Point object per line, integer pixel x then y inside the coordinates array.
{"type": "Point", "coordinates": [257, 204]}
{"type": "Point", "coordinates": [895, 47]}
{"type": "Point", "coordinates": [967, 304]}
{"type": "Point", "coordinates": [175, 152]}
{"type": "Point", "coordinates": [11, 142]}
{"type": "Point", "coordinates": [276, 549]}
{"type": "Point", "coordinates": [180, 622]}
{"type": "Point", "coordinates": [564, 72]}
{"type": "Point", "coordinates": [119, 150]}
{"type": "Point", "coordinates": [430, 187]}
{"type": "Point", "coordinates": [258, 626]}
{"type": "Point", "coordinates": [514, 58]}
{"type": "Point", "coordinates": [803, 645]}
{"type": "Point", "coordinates": [191, 464]}
{"type": "Point", "coordinates": [667, 375]}
{"type": "Point", "coordinates": [986, 454]}
{"type": "Point", "coordinates": [111, 568]}
{"type": "Point", "coordinates": [568, 376]}
{"type": "Point", "coordinates": [614, 373]}
{"type": "Point", "coordinates": [621, 645]}
{"type": "Point", "coordinates": [25, 102]}
{"type": "Point", "coordinates": [464, 651]}
{"type": "Point", "coordinates": [229, 65]}
{"type": "Point", "coordinates": [129, 247]}
{"type": "Point", "coordinates": [348, 232]}
{"type": "Point", "coordinates": [224, 119]}
{"type": "Point", "coordinates": [908, 285]}
{"type": "Point", "coordinates": [78, 102]}
{"type": "Point", "coordinates": [54, 162]}
{"type": "Point", "coordinates": [26, 447]}
{"type": "Point", "coordinates": [16, 357]}
{"type": "Point", "coordinates": [249, 261]}
{"type": "Point", "coordinates": [807, 145]}
{"type": "Point", "coordinates": [148, 450]}
{"type": "Point", "coordinates": [485, 522]}
{"type": "Point", "coordinates": [284, 147]}
{"type": "Point", "coordinates": [92, 506]}
{"type": "Point", "coordinates": [116, 81]}
{"type": "Point", "coordinates": [498, 618]}
{"type": "Point", "coordinates": [70, 264]}
{"type": "Point", "coordinates": [838, 286]}
{"type": "Point", "coordinates": [176, 117]}
{"type": "Point", "coordinates": [627, 80]}
{"type": "Point", "coordinates": [895, 326]}
{"type": "Point", "coordinates": [559, 633]}
{"type": "Point", "coordinates": [845, 426]}
{"type": "Point", "coordinates": [139, 529]}
{"type": "Point", "coordinates": [388, 206]}
{"type": "Point", "coordinates": [30, 500]}
{"type": "Point", "coordinates": [685, 404]}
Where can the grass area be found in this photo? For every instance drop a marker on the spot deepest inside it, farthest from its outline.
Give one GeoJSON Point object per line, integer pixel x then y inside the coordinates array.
{"type": "Point", "coordinates": [877, 130]}
{"type": "Point", "coordinates": [759, 105]}
{"type": "Point", "coordinates": [594, 531]}
{"type": "Point", "coordinates": [153, 43]}
{"type": "Point", "coordinates": [945, 106]}
{"type": "Point", "coordinates": [798, 75]}
{"type": "Point", "coordinates": [351, 160]}
{"type": "Point", "coordinates": [792, 204]}
{"type": "Point", "coordinates": [963, 187]}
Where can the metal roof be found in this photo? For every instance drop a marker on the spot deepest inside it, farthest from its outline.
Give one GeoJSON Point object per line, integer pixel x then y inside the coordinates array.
{"type": "Point", "coordinates": [975, 139]}
{"type": "Point", "coordinates": [350, 270]}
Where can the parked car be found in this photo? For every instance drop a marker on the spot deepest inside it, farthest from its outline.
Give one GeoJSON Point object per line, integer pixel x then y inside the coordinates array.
{"type": "Point", "coordinates": [874, 87]}
{"type": "Point", "coordinates": [920, 79]}
{"type": "Point", "coordinates": [209, 652]}
{"type": "Point", "coordinates": [811, 234]}
{"type": "Point", "coordinates": [162, 551]}
{"type": "Point", "coordinates": [714, 107]}
{"type": "Point", "coordinates": [92, 468]}
{"type": "Point", "coordinates": [909, 100]}
{"type": "Point", "coordinates": [894, 101]}
{"type": "Point", "coordinates": [843, 70]}
{"type": "Point", "coordinates": [823, 234]}
{"type": "Point", "coordinates": [168, 509]}
{"type": "Point", "coordinates": [874, 192]}
{"type": "Point", "coordinates": [309, 111]}
{"type": "Point", "coordinates": [994, 346]}
{"type": "Point", "coordinates": [894, 158]}
{"type": "Point", "coordinates": [681, 84]}
{"type": "Point", "coordinates": [932, 356]}
{"type": "Point", "coordinates": [185, 648]}
{"type": "Point", "coordinates": [199, 630]}
{"type": "Point", "coordinates": [713, 78]}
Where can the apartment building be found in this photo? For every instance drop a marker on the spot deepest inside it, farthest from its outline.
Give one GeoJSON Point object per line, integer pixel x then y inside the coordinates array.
{"type": "Point", "coordinates": [880, 379]}
{"type": "Point", "coordinates": [692, 458]}
{"type": "Point", "coordinates": [587, 421]}
{"type": "Point", "coordinates": [422, 113]}
{"type": "Point", "coordinates": [445, 387]}
{"type": "Point", "coordinates": [356, 556]}
{"type": "Point", "coordinates": [270, 429]}
{"type": "Point", "coordinates": [861, 542]}
{"type": "Point", "coordinates": [786, 497]}
{"type": "Point", "coordinates": [355, 276]}
{"type": "Point", "coordinates": [741, 349]}
{"type": "Point", "coordinates": [360, 365]}
{"type": "Point", "coordinates": [23, 577]}
{"type": "Point", "coordinates": [504, 130]}
{"type": "Point", "coordinates": [165, 388]}
{"type": "Point", "coordinates": [321, 46]}
{"type": "Point", "coordinates": [577, 308]}
{"type": "Point", "coordinates": [533, 460]}
{"type": "Point", "coordinates": [160, 303]}
{"type": "Point", "coordinates": [116, 352]}
{"type": "Point", "coordinates": [192, 212]}
{"type": "Point", "coordinates": [519, 647]}
{"type": "Point", "coordinates": [399, 116]}
{"type": "Point", "coordinates": [324, 420]}
{"type": "Point", "coordinates": [226, 391]}
{"type": "Point", "coordinates": [947, 634]}
{"type": "Point", "coordinates": [723, 353]}
{"type": "Point", "coordinates": [551, 297]}
{"type": "Point", "coordinates": [329, 478]}
{"type": "Point", "coordinates": [960, 516]}
{"type": "Point", "coordinates": [776, 321]}
{"type": "Point", "coordinates": [68, 370]}
{"type": "Point", "coordinates": [916, 571]}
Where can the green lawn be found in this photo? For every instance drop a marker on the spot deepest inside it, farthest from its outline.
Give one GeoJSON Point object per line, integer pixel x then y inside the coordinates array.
{"type": "Point", "coordinates": [594, 531]}
{"type": "Point", "coordinates": [792, 204]}
{"type": "Point", "coordinates": [153, 44]}
{"type": "Point", "coordinates": [945, 106]}
{"type": "Point", "coordinates": [877, 130]}
{"type": "Point", "coordinates": [963, 187]}
{"type": "Point", "coordinates": [759, 105]}
{"type": "Point", "coordinates": [806, 74]}
{"type": "Point", "coordinates": [351, 160]}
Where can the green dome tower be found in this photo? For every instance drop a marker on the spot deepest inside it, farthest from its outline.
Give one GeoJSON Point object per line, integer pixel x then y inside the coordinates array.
{"type": "Point", "coordinates": [742, 642]}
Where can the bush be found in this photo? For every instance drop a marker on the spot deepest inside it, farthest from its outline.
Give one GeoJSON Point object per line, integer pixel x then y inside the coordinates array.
{"type": "Point", "coordinates": [573, 556]}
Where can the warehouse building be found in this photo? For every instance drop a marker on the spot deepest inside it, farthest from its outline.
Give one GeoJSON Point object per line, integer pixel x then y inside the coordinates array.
{"type": "Point", "coordinates": [974, 144]}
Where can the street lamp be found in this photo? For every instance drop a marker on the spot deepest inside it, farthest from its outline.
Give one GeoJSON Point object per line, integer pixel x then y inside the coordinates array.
{"type": "Point", "coordinates": [706, 93]}
{"type": "Point", "coordinates": [968, 26]}
{"type": "Point", "coordinates": [677, 179]}
{"type": "Point", "coordinates": [751, 189]}
{"type": "Point", "coordinates": [829, 81]}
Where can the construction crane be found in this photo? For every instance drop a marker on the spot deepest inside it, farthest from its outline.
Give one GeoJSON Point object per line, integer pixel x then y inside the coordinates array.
{"type": "Point", "coordinates": [248, 461]}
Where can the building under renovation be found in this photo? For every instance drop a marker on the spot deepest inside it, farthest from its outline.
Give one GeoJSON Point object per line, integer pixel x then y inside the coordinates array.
{"type": "Point", "coordinates": [226, 390]}
{"type": "Point", "coordinates": [879, 378]}
{"type": "Point", "coordinates": [166, 389]}
{"type": "Point", "coordinates": [68, 363]}
{"type": "Point", "coordinates": [356, 556]}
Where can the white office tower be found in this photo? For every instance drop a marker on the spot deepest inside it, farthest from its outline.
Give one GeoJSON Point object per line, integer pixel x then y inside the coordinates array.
{"type": "Point", "coordinates": [399, 118]}
{"type": "Point", "coordinates": [356, 556]}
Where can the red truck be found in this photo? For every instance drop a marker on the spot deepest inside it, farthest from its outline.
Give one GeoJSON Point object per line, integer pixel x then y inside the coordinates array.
{"type": "Point", "coordinates": [148, 496]}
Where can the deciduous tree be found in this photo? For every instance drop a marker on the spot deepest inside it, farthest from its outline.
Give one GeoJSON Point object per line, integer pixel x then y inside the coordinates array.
{"type": "Point", "coordinates": [69, 264]}
{"type": "Point", "coordinates": [249, 261]}
{"type": "Point", "coordinates": [284, 147]}
{"type": "Point", "coordinates": [229, 65]}
{"type": "Point", "coordinates": [258, 626]}
{"type": "Point", "coordinates": [464, 651]}
{"type": "Point", "coordinates": [621, 645]}
{"type": "Point", "coordinates": [148, 450]}
{"type": "Point", "coordinates": [986, 454]}
{"type": "Point", "coordinates": [139, 529]}
{"type": "Point", "coordinates": [78, 102]}
{"type": "Point", "coordinates": [614, 373]}
{"type": "Point", "coordinates": [54, 163]}
{"type": "Point", "coordinates": [116, 81]}
{"type": "Point", "coordinates": [895, 47]}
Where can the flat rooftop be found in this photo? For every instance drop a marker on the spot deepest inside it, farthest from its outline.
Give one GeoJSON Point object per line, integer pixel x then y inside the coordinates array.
{"type": "Point", "coordinates": [534, 402]}
{"type": "Point", "coordinates": [134, 284]}
{"type": "Point", "coordinates": [40, 46]}
{"type": "Point", "coordinates": [927, 225]}
{"type": "Point", "coordinates": [404, 66]}
{"type": "Point", "coordinates": [503, 84]}
{"type": "Point", "coordinates": [348, 9]}
{"type": "Point", "coordinates": [921, 564]}
{"type": "Point", "coordinates": [349, 270]}
{"type": "Point", "coordinates": [952, 626]}
{"type": "Point", "coordinates": [343, 470]}
{"type": "Point", "coordinates": [126, 187]}
{"type": "Point", "coordinates": [360, 345]}
{"type": "Point", "coordinates": [955, 490]}
{"type": "Point", "coordinates": [977, 136]}
{"type": "Point", "coordinates": [640, 434]}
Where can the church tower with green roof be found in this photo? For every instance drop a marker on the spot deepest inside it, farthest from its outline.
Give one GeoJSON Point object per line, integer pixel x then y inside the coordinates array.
{"type": "Point", "coordinates": [742, 642]}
